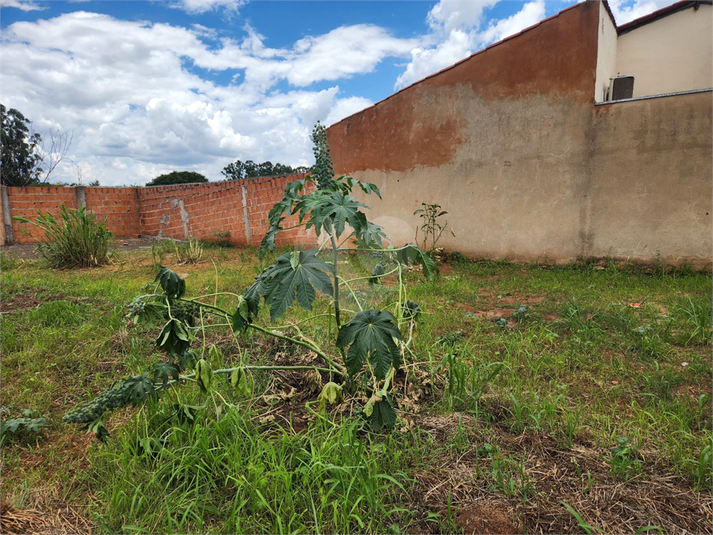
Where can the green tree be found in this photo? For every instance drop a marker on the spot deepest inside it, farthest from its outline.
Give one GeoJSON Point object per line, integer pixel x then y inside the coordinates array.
{"type": "Point", "coordinates": [21, 159]}
{"type": "Point", "coordinates": [323, 170]}
{"type": "Point", "coordinates": [178, 177]}
{"type": "Point", "coordinates": [239, 170]}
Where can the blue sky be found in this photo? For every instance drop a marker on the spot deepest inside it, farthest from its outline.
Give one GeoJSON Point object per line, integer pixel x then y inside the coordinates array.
{"type": "Point", "coordinates": [148, 87]}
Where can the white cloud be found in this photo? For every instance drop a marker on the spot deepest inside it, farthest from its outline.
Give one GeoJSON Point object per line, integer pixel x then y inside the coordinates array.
{"type": "Point", "coordinates": [462, 21]}
{"type": "Point", "coordinates": [448, 15]}
{"type": "Point", "coordinates": [24, 5]}
{"type": "Point", "coordinates": [530, 14]}
{"type": "Point", "coordinates": [626, 11]}
{"type": "Point", "coordinates": [426, 61]}
{"type": "Point", "coordinates": [127, 90]}
{"type": "Point", "coordinates": [201, 6]}
{"type": "Point", "coordinates": [345, 107]}
{"type": "Point", "coordinates": [343, 52]}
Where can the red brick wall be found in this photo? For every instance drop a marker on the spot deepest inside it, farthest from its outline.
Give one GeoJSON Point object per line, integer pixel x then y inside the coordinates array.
{"type": "Point", "coordinates": [198, 210]}
{"type": "Point", "coordinates": [26, 202]}
{"type": "Point", "coordinates": [120, 208]}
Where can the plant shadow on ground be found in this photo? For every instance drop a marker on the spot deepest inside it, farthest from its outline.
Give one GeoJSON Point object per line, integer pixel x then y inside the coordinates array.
{"type": "Point", "coordinates": [523, 381]}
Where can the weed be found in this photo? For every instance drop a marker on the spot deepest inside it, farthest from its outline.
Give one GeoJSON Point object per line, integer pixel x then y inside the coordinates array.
{"type": "Point", "coordinates": [77, 239]}
{"type": "Point", "coordinates": [221, 238]}
{"type": "Point", "coordinates": [189, 252]}
{"type": "Point", "coordinates": [625, 461]}
{"type": "Point", "coordinates": [431, 228]}
{"type": "Point", "coordinates": [27, 425]}
{"type": "Point", "coordinates": [8, 263]}
{"type": "Point", "coordinates": [698, 318]}
{"type": "Point", "coordinates": [159, 250]}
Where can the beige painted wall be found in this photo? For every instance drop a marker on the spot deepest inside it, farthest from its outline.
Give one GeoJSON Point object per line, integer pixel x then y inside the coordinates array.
{"type": "Point", "coordinates": [606, 53]}
{"type": "Point", "coordinates": [672, 54]}
{"type": "Point", "coordinates": [547, 180]}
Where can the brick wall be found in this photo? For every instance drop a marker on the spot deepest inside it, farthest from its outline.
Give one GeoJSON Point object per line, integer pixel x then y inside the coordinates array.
{"type": "Point", "coordinates": [26, 202]}
{"type": "Point", "coordinates": [239, 207]}
{"type": "Point", "coordinates": [120, 208]}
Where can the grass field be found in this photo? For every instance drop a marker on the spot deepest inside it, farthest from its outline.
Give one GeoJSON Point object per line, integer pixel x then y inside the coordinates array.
{"type": "Point", "coordinates": [571, 399]}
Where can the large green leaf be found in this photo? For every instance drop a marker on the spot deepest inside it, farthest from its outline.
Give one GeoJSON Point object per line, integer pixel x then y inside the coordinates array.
{"type": "Point", "coordinates": [242, 317]}
{"type": "Point", "coordinates": [172, 285]}
{"type": "Point", "coordinates": [370, 235]}
{"type": "Point", "coordinates": [370, 334]}
{"type": "Point", "coordinates": [268, 242]}
{"type": "Point", "coordinates": [146, 313]}
{"type": "Point", "coordinates": [175, 337]}
{"type": "Point", "coordinates": [411, 254]}
{"type": "Point", "coordinates": [139, 388]}
{"type": "Point", "coordinates": [296, 274]}
{"type": "Point", "coordinates": [381, 413]}
{"type": "Point", "coordinates": [163, 372]}
{"type": "Point", "coordinates": [331, 211]}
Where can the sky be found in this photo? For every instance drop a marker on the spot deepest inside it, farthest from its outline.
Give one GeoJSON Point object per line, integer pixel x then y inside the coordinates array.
{"type": "Point", "coordinates": [146, 87]}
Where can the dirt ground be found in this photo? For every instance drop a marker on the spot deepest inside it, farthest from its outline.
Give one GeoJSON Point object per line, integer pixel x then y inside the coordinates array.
{"type": "Point", "coordinates": [28, 251]}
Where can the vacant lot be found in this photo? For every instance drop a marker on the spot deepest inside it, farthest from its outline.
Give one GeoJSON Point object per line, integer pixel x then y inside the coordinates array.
{"type": "Point", "coordinates": [574, 399]}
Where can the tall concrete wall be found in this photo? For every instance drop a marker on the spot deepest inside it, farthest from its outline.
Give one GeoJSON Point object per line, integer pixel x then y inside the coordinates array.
{"type": "Point", "coordinates": [510, 142]}
{"type": "Point", "coordinates": [651, 188]}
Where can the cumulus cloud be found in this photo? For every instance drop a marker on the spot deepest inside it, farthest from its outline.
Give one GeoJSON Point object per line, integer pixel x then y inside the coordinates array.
{"type": "Point", "coordinates": [530, 14]}
{"type": "Point", "coordinates": [457, 30]}
{"type": "Point", "coordinates": [449, 15]}
{"type": "Point", "coordinates": [345, 107]}
{"type": "Point", "coordinates": [201, 6]}
{"type": "Point", "coordinates": [426, 61]}
{"type": "Point", "coordinates": [24, 5]}
{"type": "Point", "coordinates": [625, 11]}
{"type": "Point", "coordinates": [129, 91]}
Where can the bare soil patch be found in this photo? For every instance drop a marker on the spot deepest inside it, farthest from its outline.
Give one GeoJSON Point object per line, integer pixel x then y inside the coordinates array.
{"type": "Point", "coordinates": [550, 475]}
{"type": "Point", "coordinates": [28, 251]}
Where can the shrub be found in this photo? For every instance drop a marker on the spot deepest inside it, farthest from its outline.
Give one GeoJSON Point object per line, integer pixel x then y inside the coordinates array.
{"type": "Point", "coordinates": [76, 239]}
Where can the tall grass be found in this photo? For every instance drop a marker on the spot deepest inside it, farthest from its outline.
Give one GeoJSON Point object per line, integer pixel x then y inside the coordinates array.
{"type": "Point", "coordinates": [76, 239]}
{"type": "Point", "coordinates": [224, 474]}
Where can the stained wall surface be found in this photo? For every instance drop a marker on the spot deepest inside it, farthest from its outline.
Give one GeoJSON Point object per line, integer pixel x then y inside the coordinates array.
{"type": "Point", "coordinates": [511, 143]}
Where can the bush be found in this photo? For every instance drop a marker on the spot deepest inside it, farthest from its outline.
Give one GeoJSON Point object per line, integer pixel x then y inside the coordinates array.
{"type": "Point", "coordinates": [76, 239]}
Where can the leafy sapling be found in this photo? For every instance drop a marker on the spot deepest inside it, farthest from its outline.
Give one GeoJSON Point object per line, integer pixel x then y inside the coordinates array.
{"type": "Point", "coordinates": [432, 228]}
{"type": "Point", "coordinates": [369, 343]}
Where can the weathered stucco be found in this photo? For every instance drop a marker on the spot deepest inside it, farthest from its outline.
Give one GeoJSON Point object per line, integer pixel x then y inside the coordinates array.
{"type": "Point", "coordinates": [511, 143]}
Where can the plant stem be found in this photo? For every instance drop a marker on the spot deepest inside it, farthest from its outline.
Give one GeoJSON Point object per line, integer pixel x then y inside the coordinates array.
{"type": "Point", "coordinates": [336, 280]}
{"type": "Point", "coordinates": [338, 369]}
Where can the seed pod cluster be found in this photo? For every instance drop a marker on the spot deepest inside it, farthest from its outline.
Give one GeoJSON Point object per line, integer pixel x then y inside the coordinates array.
{"type": "Point", "coordinates": [112, 398]}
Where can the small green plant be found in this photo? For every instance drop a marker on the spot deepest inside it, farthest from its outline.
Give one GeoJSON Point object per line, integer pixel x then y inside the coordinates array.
{"type": "Point", "coordinates": [75, 239]}
{"type": "Point", "coordinates": [28, 424]}
{"type": "Point", "coordinates": [189, 252]}
{"type": "Point", "coordinates": [698, 316]}
{"type": "Point", "coordinates": [432, 228]}
{"type": "Point", "coordinates": [522, 314]}
{"type": "Point", "coordinates": [221, 238]}
{"type": "Point", "coordinates": [625, 461]}
{"type": "Point", "coordinates": [159, 249]}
